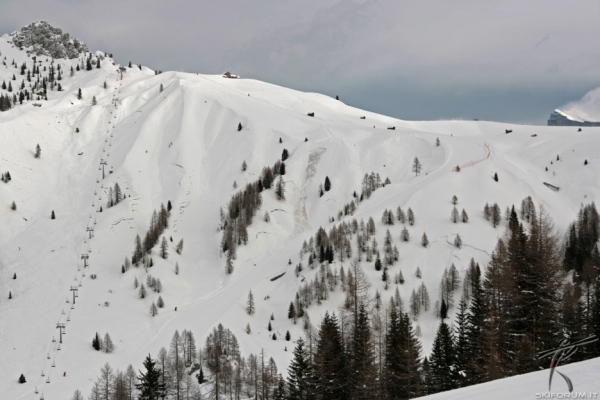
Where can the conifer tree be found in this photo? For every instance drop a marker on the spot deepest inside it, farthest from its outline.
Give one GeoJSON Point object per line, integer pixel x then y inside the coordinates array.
{"type": "Point", "coordinates": [424, 240]}
{"type": "Point", "coordinates": [149, 385]}
{"type": "Point", "coordinates": [475, 325]}
{"type": "Point", "coordinates": [280, 189]}
{"type": "Point", "coordinates": [52, 215]}
{"type": "Point", "coordinates": [228, 266]}
{"type": "Point", "coordinates": [405, 235]}
{"type": "Point", "coordinates": [464, 216]}
{"type": "Point", "coordinates": [327, 184]}
{"type": "Point", "coordinates": [107, 343]}
{"type": "Point", "coordinates": [138, 253]}
{"type": "Point", "coordinates": [38, 151]}
{"type": "Point", "coordinates": [280, 393]}
{"type": "Point", "coordinates": [163, 248]}
{"type": "Point", "coordinates": [96, 342]}
{"type": "Point", "coordinates": [411, 217]}
{"type": "Point", "coordinates": [442, 360]}
{"type": "Point", "coordinates": [416, 166]}
{"type": "Point", "coordinates": [142, 292]}
{"type": "Point", "coordinates": [462, 345]}
{"type": "Point", "coordinates": [330, 366]}
{"type": "Point", "coordinates": [458, 241]}
{"type": "Point", "coordinates": [496, 215]}
{"type": "Point", "coordinates": [362, 358]}
{"type": "Point", "coordinates": [250, 308]}
{"type": "Point", "coordinates": [300, 375]}
{"type": "Point", "coordinates": [160, 302]}
{"type": "Point", "coordinates": [454, 215]}
{"type": "Point", "coordinates": [22, 379]}
{"type": "Point", "coordinates": [292, 312]}
{"type": "Point", "coordinates": [402, 358]}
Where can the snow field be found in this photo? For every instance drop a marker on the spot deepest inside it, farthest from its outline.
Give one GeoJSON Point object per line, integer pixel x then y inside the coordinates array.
{"type": "Point", "coordinates": [182, 145]}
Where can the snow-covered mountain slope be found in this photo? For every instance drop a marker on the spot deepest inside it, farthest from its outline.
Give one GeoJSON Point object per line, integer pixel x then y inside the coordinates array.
{"type": "Point", "coordinates": [584, 376]}
{"type": "Point", "coordinates": [183, 145]}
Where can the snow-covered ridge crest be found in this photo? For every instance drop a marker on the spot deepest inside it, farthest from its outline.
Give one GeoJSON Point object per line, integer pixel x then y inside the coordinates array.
{"type": "Point", "coordinates": [44, 39]}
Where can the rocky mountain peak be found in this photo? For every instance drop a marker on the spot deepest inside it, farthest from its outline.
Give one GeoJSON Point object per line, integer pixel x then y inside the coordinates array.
{"type": "Point", "coordinates": [41, 38]}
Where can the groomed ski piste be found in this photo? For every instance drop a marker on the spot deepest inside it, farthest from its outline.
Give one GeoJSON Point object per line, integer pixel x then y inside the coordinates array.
{"type": "Point", "coordinates": [182, 145]}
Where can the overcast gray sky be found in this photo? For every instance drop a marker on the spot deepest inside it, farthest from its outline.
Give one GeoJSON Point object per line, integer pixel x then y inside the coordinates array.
{"type": "Point", "coordinates": [503, 60]}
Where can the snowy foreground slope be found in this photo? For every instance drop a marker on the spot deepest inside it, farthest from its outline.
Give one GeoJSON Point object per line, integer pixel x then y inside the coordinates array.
{"type": "Point", "coordinates": [183, 145]}
{"type": "Point", "coordinates": [534, 385]}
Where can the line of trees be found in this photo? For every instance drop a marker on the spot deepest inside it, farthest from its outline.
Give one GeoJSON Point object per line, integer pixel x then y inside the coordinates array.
{"type": "Point", "coordinates": [38, 87]}
{"type": "Point", "coordinates": [158, 223]}
{"type": "Point", "coordinates": [216, 371]}
{"type": "Point", "coordinates": [532, 295]}
{"type": "Point", "coordinates": [243, 206]}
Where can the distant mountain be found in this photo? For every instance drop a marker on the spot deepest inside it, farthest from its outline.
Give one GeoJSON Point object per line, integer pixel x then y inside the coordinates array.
{"type": "Point", "coordinates": [584, 112]}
